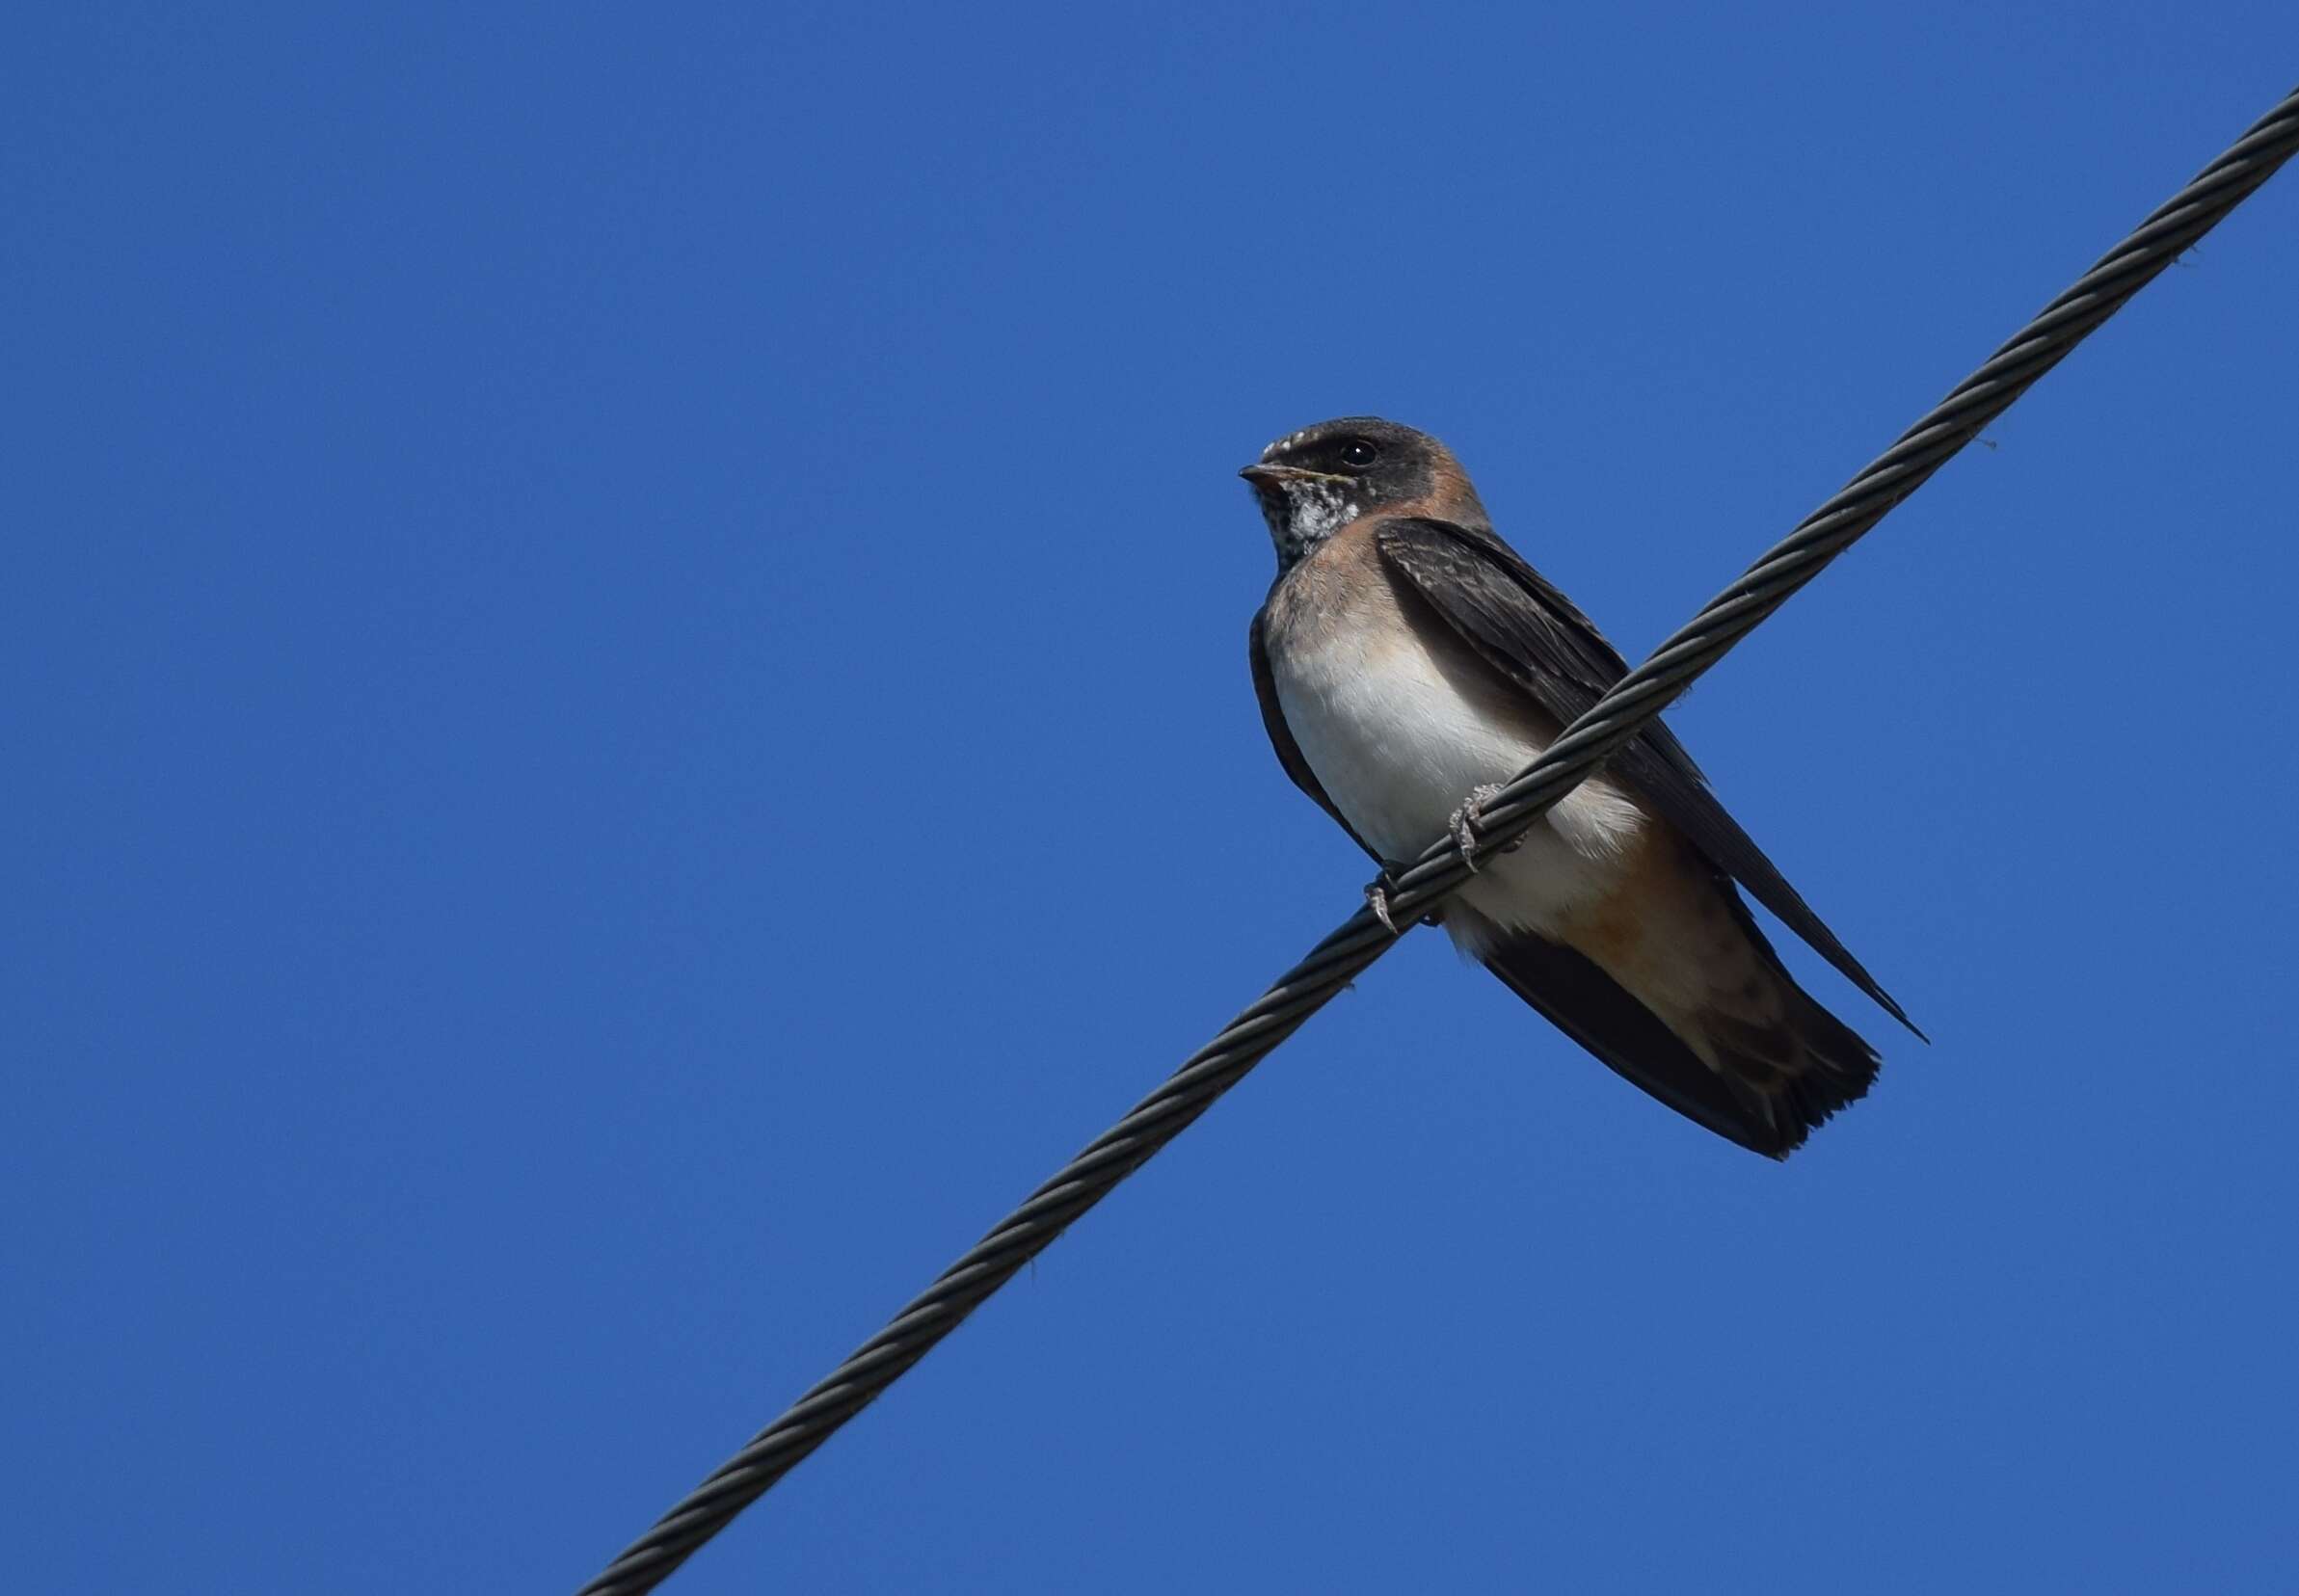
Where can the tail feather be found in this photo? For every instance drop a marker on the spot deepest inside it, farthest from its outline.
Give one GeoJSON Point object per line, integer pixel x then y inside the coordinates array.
{"type": "Point", "coordinates": [1800, 1064]}
{"type": "Point", "coordinates": [1793, 1074]}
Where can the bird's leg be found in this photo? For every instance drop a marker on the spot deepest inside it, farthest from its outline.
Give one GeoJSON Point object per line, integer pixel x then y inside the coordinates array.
{"type": "Point", "coordinates": [1466, 818]}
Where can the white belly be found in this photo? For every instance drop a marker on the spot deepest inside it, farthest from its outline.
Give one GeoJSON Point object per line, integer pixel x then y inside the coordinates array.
{"type": "Point", "coordinates": [1398, 747]}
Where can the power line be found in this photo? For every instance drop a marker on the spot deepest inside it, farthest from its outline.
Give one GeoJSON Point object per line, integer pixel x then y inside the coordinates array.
{"type": "Point", "coordinates": [1585, 745]}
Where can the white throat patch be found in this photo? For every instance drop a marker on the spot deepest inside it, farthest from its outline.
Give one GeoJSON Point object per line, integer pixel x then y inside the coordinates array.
{"type": "Point", "coordinates": [1314, 512]}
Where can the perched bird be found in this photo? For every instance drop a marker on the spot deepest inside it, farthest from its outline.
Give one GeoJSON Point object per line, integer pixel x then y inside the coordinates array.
{"type": "Point", "coordinates": [1408, 660]}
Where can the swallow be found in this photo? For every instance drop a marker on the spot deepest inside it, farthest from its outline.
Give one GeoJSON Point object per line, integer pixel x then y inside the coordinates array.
{"type": "Point", "coordinates": [1408, 660]}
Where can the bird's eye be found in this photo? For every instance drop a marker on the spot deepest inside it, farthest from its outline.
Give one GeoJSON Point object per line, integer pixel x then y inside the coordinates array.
{"type": "Point", "coordinates": [1358, 453]}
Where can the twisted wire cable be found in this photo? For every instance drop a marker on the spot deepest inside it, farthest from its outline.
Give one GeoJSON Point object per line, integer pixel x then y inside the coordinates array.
{"type": "Point", "coordinates": [1576, 754]}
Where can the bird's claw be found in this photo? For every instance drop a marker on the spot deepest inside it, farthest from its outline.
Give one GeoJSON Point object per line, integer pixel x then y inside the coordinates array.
{"type": "Point", "coordinates": [1465, 820]}
{"type": "Point", "coordinates": [1376, 899]}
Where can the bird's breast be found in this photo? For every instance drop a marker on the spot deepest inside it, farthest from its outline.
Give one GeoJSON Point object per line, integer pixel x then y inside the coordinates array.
{"type": "Point", "coordinates": [1401, 726]}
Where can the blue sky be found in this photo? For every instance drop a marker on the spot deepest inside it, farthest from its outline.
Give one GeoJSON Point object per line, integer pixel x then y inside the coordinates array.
{"type": "Point", "coordinates": [625, 690]}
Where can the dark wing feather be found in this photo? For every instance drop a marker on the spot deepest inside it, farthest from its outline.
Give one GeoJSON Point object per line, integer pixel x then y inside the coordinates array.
{"type": "Point", "coordinates": [1532, 635]}
{"type": "Point", "coordinates": [1281, 736]}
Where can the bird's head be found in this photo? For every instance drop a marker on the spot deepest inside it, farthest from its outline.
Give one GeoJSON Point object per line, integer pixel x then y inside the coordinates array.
{"type": "Point", "coordinates": [1313, 483]}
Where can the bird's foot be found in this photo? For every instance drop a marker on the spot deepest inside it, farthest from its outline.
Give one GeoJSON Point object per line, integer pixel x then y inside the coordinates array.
{"type": "Point", "coordinates": [1376, 899]}
{"type": "Point", "coordinates": [1464, 826]}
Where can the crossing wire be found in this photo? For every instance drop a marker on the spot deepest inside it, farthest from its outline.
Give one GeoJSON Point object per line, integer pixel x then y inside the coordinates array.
{"type": "Point", "coordinates": [1582, 748]}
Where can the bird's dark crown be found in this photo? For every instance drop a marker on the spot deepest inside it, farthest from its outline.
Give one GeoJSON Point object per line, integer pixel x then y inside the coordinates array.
{"type": "Point", "coordinates": [1400, 455]}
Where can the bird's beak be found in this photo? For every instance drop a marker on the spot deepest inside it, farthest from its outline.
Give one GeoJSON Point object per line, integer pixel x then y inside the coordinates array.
{"type": "Point", "coordinates": [1271, 476]}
